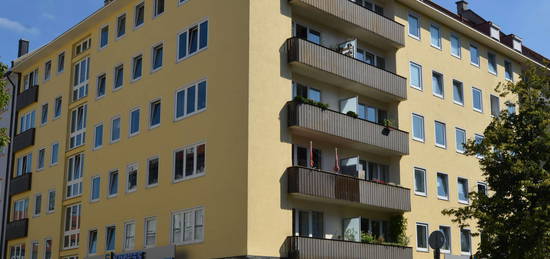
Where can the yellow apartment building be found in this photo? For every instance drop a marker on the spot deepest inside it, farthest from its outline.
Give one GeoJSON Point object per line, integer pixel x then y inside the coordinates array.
{"type": "Point", "coordinates": [253, 129]}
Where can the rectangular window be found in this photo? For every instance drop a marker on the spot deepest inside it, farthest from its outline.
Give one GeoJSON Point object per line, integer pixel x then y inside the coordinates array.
{"type": "Point", "coordinates": [414, 26]}
{"type": "Point", "coordinates": [188, 226]}
{"type": "Point", "coordinates": [57, 108]}
{"type": "Point", "coordinates": [101, 82]}
{"type": "Point", "coordinates": [420, 181]}
{"type": "Point", "coordinates": [416, 75]}
{"type": "Point", "coordinates": [17, 251]}
{"type": "Point", "coordinates": [48, 70]}
{"type": "Point", "coordinates": [306, 92]}
{"type": "Point", "coordinates": [462, 186]}
{"type": "Point", "coordinates": [190, 100]}
{"type": "Point", "coordinates": [55, 154]}
{"type": "Point", "coordinates": [158, 7]}
{"type": "Point", "coordinates": [465, 241]}
{"type": "Point", "coordinates": [474, 55]}
{"type": "Point", "coordinates": [110, 234]}
{"type": "Point", "coordinates": [82, 46]}
{"type": "Point", "coordinates": [51, 201]}
{"type": "Point", "coordinates": [27, 121]}
{"type": "Point", "coordinates": [34, 250]}
{"type": "Point", "coordinates": [37, 204]}
{"type": "Point", "coordinates": [422, 237]}
{"type": "Point", "coordinates": [131, 178]}
{"type": "Point", "coordinates": [121, 26]}
{"type": "Point", "coordinates": [495, 105]}
{"type": "Point", "coordinates": [152, 171]}
{"type": "Point", "coordinates": [447, 233]}
{"type": "Point", "coordinates": [477, 99]}
{"type": "Point", "coordinates": [482, 188]}
{"type": "Point", "coordinates": [113, 183]}
{"type": "Point", "coordinates": [157, 57]}
{"type": "Point", "coordinates": [193, 40]}
{"type": "Point", "coordinates": [139, 16]}
{"type": "Point", "coordinates": [440, 134]}
{"type": "Point", "coordinates": [20, 209]}
{"type": "Point", "coordinates": [41, 158]}
{"type": "Point", "coordinates": [44, 114]}
{"type": "Point", "coordinates": [98, 136]}
{"type": "Point", "coordinates": [75, 172]}
{"type": "Point", "coordinates": [81, 76]}
{"type": "Point", "coordinates": [189, 162]}
{"type": "Point", "coordinates": [96, 188]}
{"type": "Point", "coordinates": [48, 249]}
{"type": "Point", "coordinates": [460, 140]}
{"type": "Point", "coordinates": [150, 232]}
{"type": "Point", "coordinates": [508, 73]}
{"type": "Point", "coordinates": [456, 46]}
{"type": "Point", "coordinates": [78, 127]}
{"type": "Point", "coordinates": [129, 235]}
{"type": "Point", "coordinates": [154, 114]}
{"type": "Point", "coordinates": [458, 92]}
{"type": "Point", "coordinates": [119, 77]}
{"type": "Point", "coordinates": [137, 63]}
{"type": "Point", "coordinates": [71, 237]}
{"type": "Point", "coordinates": [92, 242]}
{"type": "Point", "coordinates": [435, 36]}
{"type": "Point", "coordinates": [115, 129]}
{"type": "Point", "coordinates": [492, 59]}
{"type": "Point", "coordinates": [61, 62]}
{"type": "Point", "coordinates": [418, 127]}
{"type": "Point", "coordinates": [478, 139]}
{"type": "Point", "coordinates": [104, 37]}
{"type": "Point", "coordinates": [310, 224]}
{"type": "Point", "coordinates": [437, 84]}
{"type": "Point", "coordinates": [24, 165]}
{"type": "Point", "coordinates": [442, 186]}
{"type": "Point", "coordinates": [134, 122]}
{"type": "Point", "coordinates": [306, 33]}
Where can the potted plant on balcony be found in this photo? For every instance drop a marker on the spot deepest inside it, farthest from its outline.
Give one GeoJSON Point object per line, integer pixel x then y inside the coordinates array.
{"type": "Point", "coordinates": [301, 99]}
{"type": "Point", "coordinates": [352, 114]}
{"type": "Point", "coordinates": [387, 125]}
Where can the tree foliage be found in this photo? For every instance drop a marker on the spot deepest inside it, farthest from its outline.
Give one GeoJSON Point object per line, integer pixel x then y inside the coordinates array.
{"type": "Point", "coordinates": [4, 98]}
{"type": "Point", "coordinates": [513, 220]}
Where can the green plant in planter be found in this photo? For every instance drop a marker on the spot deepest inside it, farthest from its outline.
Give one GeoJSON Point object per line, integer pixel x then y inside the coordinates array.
{"type": "Point", "coordinates": [301, 99]}
{"type": "Point", "coordinates": [367, 238]}
{"type": "Point", "coordinates": [388, 123]}
{"type": "Point", "coordinates": [352, 114]}
{"type": "Point", "coordinates": [397, 229]}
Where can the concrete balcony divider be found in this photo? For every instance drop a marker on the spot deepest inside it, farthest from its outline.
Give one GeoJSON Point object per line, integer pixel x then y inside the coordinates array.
{"type": "Point", "coordinates": [20, 184]}
{"type": "Point", "coordinates": [17, 229]}
{"type": "Point", "coordinates": [27, 97]}
{"type": "Point", "coordinates": [342, 128]}
{"type": "Point", "coordinates": [317, 248]}
{"type": "Point", "coordinates": [345, 71]}
{"type": "Point", "coordinates": [344, 14]}
{"type": "Point", "coordinates": [338, 187]}
{"type": "Point", "coordinates": [23, 140]}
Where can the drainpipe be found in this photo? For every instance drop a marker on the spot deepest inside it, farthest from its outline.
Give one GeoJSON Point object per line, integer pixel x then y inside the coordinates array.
{"type": "Point", "coordinates": [10, 159]}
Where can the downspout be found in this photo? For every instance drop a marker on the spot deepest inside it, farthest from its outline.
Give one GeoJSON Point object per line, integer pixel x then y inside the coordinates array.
{"type": "Point", "coordinates": [10, 159]}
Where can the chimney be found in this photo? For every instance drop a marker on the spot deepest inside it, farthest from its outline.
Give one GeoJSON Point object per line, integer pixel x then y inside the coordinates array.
{"type": "Point", "coordinates": [461, 6]}
{"type": "Point", "coordinates": [23, 47]}
{"type": "Point", "coordinates": [106, 2]}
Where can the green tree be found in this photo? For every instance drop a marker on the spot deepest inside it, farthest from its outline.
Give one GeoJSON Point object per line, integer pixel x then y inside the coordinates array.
{"type": "Point", "coordinates": [513, 220]}
{"type": "Point", "coordinates": [4, 98]}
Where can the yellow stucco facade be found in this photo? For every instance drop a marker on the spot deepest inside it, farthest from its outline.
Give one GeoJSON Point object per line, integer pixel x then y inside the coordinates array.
{"type": "Point", "coordinates": [242, 190]}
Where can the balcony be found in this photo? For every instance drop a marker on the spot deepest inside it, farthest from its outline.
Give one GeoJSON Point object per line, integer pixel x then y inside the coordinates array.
{"type": "Point", "coordinates": [312, 183]}
{"type": "Point", "coordinates": [338, 128]}
{"type": "Point", "coordinates": [316, 248]}
{"type": "Point", "coordinates": [27, 97]}
{"type": "Point", "coordinates": [23, 140]}
{"type": "Point", "coordinates": [20, 184]}
{"type": "Point", "coordinates": [324, 64]}
{"type": "Point", "coordinates": [17, 229]}
{"type": "Point", "coordinates": [352, 19]}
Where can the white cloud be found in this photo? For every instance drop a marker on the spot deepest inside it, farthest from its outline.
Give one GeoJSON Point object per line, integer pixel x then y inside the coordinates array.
{"type": "Point", "coordinates": [17, 27]}
{"type": "Point", "coordinates": [48, 16]}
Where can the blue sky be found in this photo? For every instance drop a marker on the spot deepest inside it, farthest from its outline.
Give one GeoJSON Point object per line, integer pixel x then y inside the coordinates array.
{"type": "Point", "coordinates": [40, 21]}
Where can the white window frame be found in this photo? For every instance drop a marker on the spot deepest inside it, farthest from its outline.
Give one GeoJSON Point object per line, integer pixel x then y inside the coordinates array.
{"type": "Point", "coordinates": [475, 46]}
{"type": "Point", "coordinates": [134, 78]}
{"type": "Point", "coordinates": [445, 198]}
{"type": "Point", "coordinates": [151, 126]}
{"type": "Point", "coordinates": [78, 133]}
{"type": "Point", "coordinates": [467, 201]}
{"type": "Point", "coordinates": [181, 2]}
{"type": "Point", "coordinates": [425, 193]}
{"type": "Point", "coordinates": [33, 243]}
{"type": "Point", "coordinates": [450, 241]}
{"type": "Point", "coordinates": [470, 241]}
{"type": "Point", "coordinates": [19, 251]}
{"type": "Point", "coordinates": [444, 134]}
{"type": "Point", "coordinates": [111, 140]}
{"type": "Point", "coordinates": [486, 187]}
{"type": "Point", "coordinates": [106, 235]}
{"type": "Point", "coordinates": [158, 172]}
{"type": "Point", "coordinates": [37, 206]}
{"type": "Point", "coordinates": [193, 227]}
{"type": "Point", "coordinates": [489, 63]}
{"type": "Point", "coordinates": [55, 116]}
{"type": "Point", "coordinates": [421, 86]}
{"type": "Point", "coordinates": [47, 70]}
{"type": "Point", "coordinates": [459, 56]}
{"type": "Point", "coordinates": [75, 231]}
{"type": "Point", "coordinates": [137, 26]}
{"type": "Point", "coordinates": [115, 77]}
{"type": "Point", "coordinates": [199, 49]}
{"type": "Point", "coordinates": [423, 127]}
{"type": "Point", "coordinates": [44, 118]}
{"type": "Point", "coordinates": [480, 99]}
{"type": "Point", "coordinates": [25, 160]}
{"type": "Point", "coordinates": [118, 37]}
{"type": "Point", "coordinates": [442, 95]}
{"type": "Point", "coordinates": [76, 181]}
{"type": "Point", "coordinates": [98, 79]}
{"type": "Point", "coordinates": [197, 110]}
{"type": "Point", "coordinates": [101, 36]}
{"type": "Point", "coordinates": [83, 46]}
{"type": "Point", "coordinates": [46, 247]}
{"type": "Point", "coordinates": [92, 199]}
{"type": "Point", "coordinates": [419, 28]}
{"type": "Point", "coordinates": [155, 12]}
{"type": "Point", "coordinates": [454, 97]}
{"type": "Point", "coordinates": [511, 78]}
{"type": "Point", "coordinates": [130, 133]}
{"type": "Point", "coordinates": [61, 62]}
{"type": "Point", "coordinates": [130, 168]}
{"type": "Point", "coordinates": [48, 211]}
{"type": "Point", "coordinates": [129, 242]}
{"type": "Point", "coordinates": [153, 49]}
{"type": "Point", "coordinates": [27, 121]}
{"type": "Point", "coordinates": [145, 231]}
{"type": "Point", "coordinates": [457, 129]}
{"type": "Point", "coordinates": [96, 241]}
{"type": "Point", "coordinates": [440, 47]}
{"type": "Point", "coordinates": [80, 88]}
{"type": "Point", "coordinates": [109, 195]}
{"type": "Point", "coordinates": [195, 174]}
{"type": "Point", "coordinates": [40, 157]}
{"type": "Point", "coordinates": [102, 135]}
{"type": "Point", "coordinates": [422, 249]}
